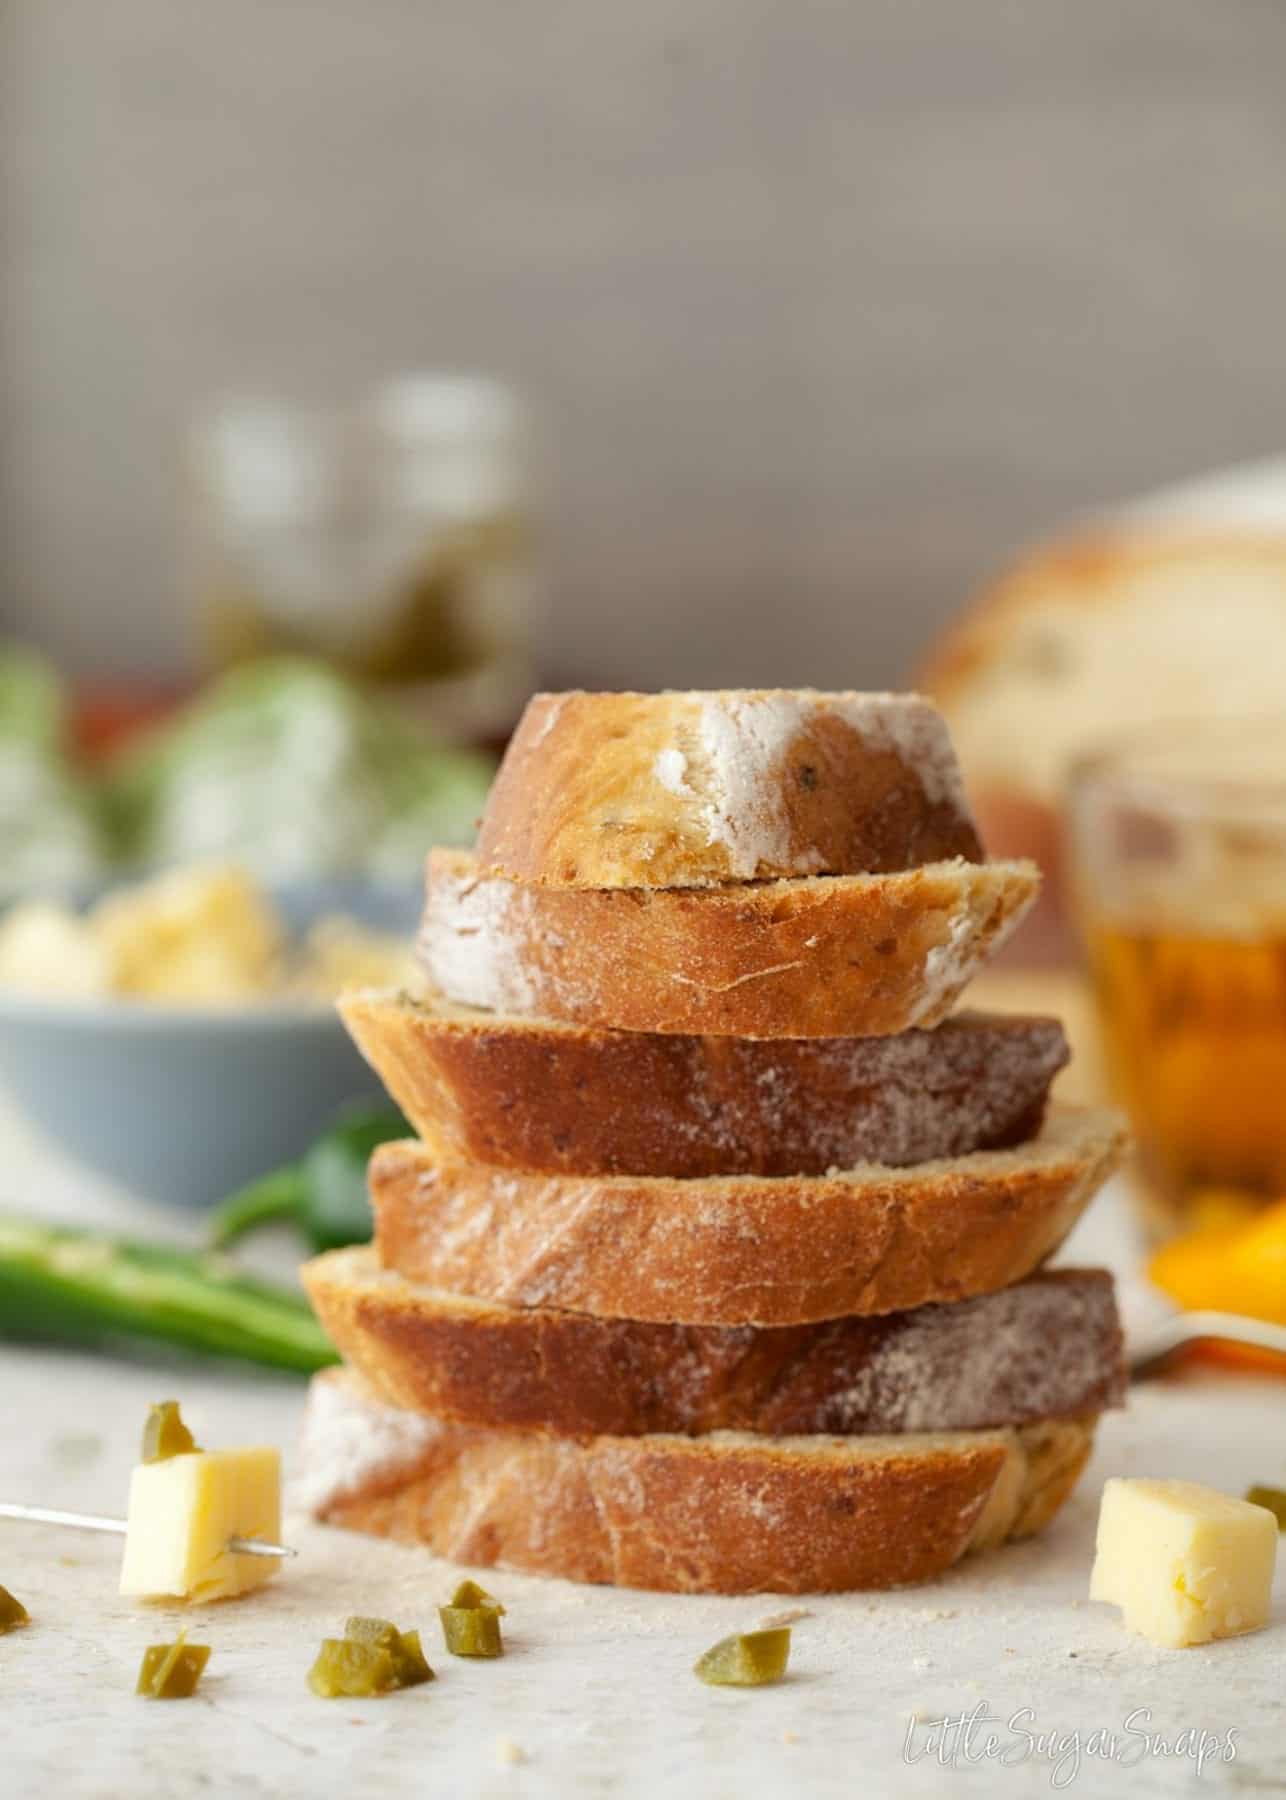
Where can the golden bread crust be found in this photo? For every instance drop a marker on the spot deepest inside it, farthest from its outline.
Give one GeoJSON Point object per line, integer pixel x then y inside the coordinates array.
{"type": "Point", "coordinates": [1048, 1345]}
{"type": "Point", "coordinates": [718, 1515]}
{"type": "Point", "coordinates": [741, 1250]}
{"type": "Point", "coordinates": [693, 790]}
{"type": "Point", "coordinates": [563, 1099]}
{"type": "Point", "coordinates": [840, 956]}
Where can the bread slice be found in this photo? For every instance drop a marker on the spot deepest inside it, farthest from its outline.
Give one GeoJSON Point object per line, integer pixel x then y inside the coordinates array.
{"type": "Point", "coordinates": [1049, 1345]}
{"type": "Point", "coordinates": [741, 1249]}
{"type": "Point", "coordinates": [694, 790]}
{"type": "Point", "coordinates": [837, 956]}
{"type": "Point", "coordinates": [569, 1099]}
{"type": "Point", "coordinates": [723, 1514]}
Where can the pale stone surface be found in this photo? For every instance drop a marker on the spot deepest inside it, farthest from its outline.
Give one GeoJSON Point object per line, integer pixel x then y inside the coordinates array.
{"type": "Point", "coordinates": [595, 1689]}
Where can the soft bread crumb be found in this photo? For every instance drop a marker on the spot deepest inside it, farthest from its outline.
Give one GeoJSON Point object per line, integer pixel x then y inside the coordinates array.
{"type": "Point", "coordinates": [789, 1615]}
{"type": "Point", "coordinates": [509, 1754]}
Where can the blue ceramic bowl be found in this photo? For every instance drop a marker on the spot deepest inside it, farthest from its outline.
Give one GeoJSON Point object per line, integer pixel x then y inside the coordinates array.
{"type": "Point", "coordinates": [187, 1104]}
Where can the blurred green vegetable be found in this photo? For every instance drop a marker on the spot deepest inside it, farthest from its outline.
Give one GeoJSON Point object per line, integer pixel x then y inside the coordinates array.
{"type": "Point", "coordinates": [291, 770]}
{"type": "Point", "coordinates": [49, 824]}
{"type": "Point", "coordinates": [283, 766]}
{"type": "Point", "coordinates": [31, 699]}
{"type": "Point", "coordinates": [324, 1193]}
{"type": "Point", "coordinates": [65, 1286]}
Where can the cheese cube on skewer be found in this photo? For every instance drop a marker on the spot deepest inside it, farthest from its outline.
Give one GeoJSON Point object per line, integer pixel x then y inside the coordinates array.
{"type": "Point", "coordinates": [183, 1511]}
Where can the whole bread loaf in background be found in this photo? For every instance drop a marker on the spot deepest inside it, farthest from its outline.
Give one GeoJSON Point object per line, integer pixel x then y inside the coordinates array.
{"type": "Point", "coordinates": [723, 1514]}
{"type": "Point", "coordinates": [741, 1249]}
{"type": "Point", "coordinates": [692, 790]}
{"type": "Point", "coordinates": [840, 956]}
{"type": "Point", "coordinates": [1127, 625]}
{"type": "Point", "coordinates": [1048, 1345]}
{"type": "Point", "coordinates": [569, 1099]}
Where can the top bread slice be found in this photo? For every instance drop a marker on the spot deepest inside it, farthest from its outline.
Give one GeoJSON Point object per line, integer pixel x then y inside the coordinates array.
{"type": "Point", "coordinates": [830, 956]}
{"type": "Point", "coordinates": [702, 789]}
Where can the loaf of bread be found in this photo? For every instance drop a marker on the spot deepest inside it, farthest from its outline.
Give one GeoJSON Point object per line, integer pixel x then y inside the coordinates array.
{"type": "Point", "coordinates": [1111, 631]}
{"type": "Point", "coordinates": [740, 1249]}
{"type": "Point", "coordinates": [1048, 1345]}
{"type": "Point", "coordinates": [1126, 626]}
{"type": "Point", "coordinates": [722, 1514]}
{"type": "Point", "coordinates": [562, 1099]}
{"type": "Point", "coordinates": [696, 790]}
{"type": "Point", "coordinates": [841, 956]}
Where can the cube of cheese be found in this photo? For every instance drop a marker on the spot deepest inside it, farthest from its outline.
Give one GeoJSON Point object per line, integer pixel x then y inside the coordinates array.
{"type": "Point", "coordinates": [182, 1512]}
{"type": "Point", "coordinates": [1183, 1562]}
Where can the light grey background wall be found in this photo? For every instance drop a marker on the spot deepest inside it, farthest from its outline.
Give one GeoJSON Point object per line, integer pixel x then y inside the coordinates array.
{"type": "Point", "coordinates": [823, 306]}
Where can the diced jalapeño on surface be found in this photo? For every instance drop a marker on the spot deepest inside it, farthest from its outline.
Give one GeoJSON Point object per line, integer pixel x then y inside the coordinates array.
{"type": "Point", "coordinates": [471, 1622]}
{"type": "Point", "coordinates": [171, 1671]}
{"type": "Point", "coordinates": [12, 1612]}
{"type": "Point", "coordinates": [471, 1630]}
{"type": "Point", "coordinates": [469, 1594]}
{"type": "Point", "coordinates": [410, 1661]}
{"type": "Point", "coordinates": [753, 1660]}
{"type": "Point", "coordinates": [372, 1657]}
{"type": "Point", "coordinates": [346, 1666]}
{"type": "Point", "coordinates": [165, 1434]}
{"type": "Point", "coordinates": [1273, 1498]}
{"type": "Point", "coordinates": [371, 1631]}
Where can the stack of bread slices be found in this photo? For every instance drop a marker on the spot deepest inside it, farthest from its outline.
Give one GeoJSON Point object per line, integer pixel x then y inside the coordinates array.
{"type": "Point", "coordinates": [717, 1263]}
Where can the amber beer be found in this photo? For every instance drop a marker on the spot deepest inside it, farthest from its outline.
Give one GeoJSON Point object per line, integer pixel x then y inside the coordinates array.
{"type": "Point", "coordinates": [1194, 1036]}
{"type": "Point", "coordinates": [1178, 846]}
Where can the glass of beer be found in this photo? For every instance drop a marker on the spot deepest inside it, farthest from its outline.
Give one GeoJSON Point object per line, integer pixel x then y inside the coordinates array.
{"type": "Point", "coordinates": [1178, 864]}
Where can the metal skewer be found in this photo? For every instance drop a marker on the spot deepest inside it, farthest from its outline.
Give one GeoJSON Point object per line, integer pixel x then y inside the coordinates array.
{"type": "Point", "coordinates": [1159, 1344]}
{"type": "Point", "coordinates": [51, 1515]}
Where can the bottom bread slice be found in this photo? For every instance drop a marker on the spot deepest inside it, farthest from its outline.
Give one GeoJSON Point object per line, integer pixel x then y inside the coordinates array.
{"type": "Point", "coordinates": [721, 1514]}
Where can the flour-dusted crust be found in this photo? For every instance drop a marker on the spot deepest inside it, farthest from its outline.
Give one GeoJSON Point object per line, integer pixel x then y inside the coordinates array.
{"type": "Point", "coordinates": [836, 956]}
{"type": "Point", "coordinates": [741, 1249]}
{"type": "Point", "coordinates": [720, 1514]}
{"type": "Point", "coordinates": [565, 1099]}
{"type": "Point", "coordinates": [1048, 1345]}
{"type": "Point", "coordinates": [698, 789]}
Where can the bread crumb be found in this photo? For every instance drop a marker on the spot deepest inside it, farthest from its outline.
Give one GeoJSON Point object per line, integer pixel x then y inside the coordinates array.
{"type": "Point", "coordinates": [508, 1754]}
{"type": "Point", "coordinates": [790, 1737]}
{"type": "Point", "coordinates": [788, 1615]}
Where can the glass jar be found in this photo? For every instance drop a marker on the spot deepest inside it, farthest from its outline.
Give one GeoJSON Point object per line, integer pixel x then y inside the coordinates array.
{"type": "Point", "coordinates": [396, 540]}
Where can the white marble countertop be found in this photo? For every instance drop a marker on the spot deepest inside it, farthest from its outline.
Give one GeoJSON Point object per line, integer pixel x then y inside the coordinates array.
{"type": "Point", "coordinates": [595, 1695]}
